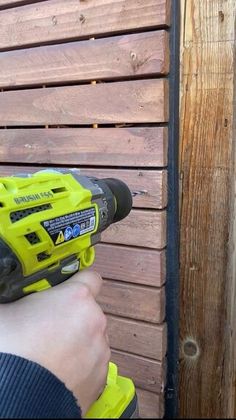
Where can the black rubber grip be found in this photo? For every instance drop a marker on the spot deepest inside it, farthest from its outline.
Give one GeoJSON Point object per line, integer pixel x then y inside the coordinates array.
{"type": "Point", "coordinates": [123, 198]}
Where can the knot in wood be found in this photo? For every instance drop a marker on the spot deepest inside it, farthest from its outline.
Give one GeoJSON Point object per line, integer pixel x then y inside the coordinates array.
{"type": "Point", "coordinates": [190, 348]}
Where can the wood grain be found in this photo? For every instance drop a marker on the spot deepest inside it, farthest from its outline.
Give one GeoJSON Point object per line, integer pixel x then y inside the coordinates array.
{"type": "Point", "coordinates": [230, 369]}
{"type": "Point", "coordinates": [206, 162]}
{"type": "Point", "coordinates": [56, 20]}
{"type": "Point", "coordinates": [150, 185]}
{"type": "Point", "coordinates": [104, 103]}
{"type": "Point", "coordinates": [10, 2]}
{"type": "Point", "coordinates": [134, 265]}
{"type": "Point", "coordinates": [129, 55]}
{"type": "Point", "coordinates": [136, 302]}
{"type": "Point", "coordinates": [102, 147]}
{"type": "Point", "coordinates": [151, 406]}
{"type": "Point", "coordinates": [138, 338]}
{"type": "Point", "coordinates": [13, 3]}
{"type": "Point", "coordinates": [146, 373]}
{"type": "Point", "coordinates": [140, 228]}
{"type": "Point", "coordinates": [212, 23]}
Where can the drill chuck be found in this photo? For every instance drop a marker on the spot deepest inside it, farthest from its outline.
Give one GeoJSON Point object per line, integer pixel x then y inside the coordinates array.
{"type": "Point", "coordinates": [122, 196]}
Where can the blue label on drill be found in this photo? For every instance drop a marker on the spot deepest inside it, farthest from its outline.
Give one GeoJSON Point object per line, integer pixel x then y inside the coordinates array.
{"type": "Point", "coordinates": [76, 231]}
{"type": "Point", "coordinates": [68, 233]}
{"type": "Point", "coordinates": [70, 226]}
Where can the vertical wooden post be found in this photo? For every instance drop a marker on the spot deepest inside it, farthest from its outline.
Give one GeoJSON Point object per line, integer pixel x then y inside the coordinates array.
{"type": "Point", "coordinates": [206, 167]}
{"type": "Point", "coordinates": [230, 336]}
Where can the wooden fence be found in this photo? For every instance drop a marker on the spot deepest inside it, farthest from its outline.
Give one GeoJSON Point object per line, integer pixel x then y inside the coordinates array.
{"type": "Point", "coordinates": [83, 84]}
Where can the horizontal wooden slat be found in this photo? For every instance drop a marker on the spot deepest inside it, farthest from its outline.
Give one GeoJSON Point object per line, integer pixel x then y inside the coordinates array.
{"type": "Point", "coordinates": [102, 147]}
{"type": "Point", "coordinates": [151, 405]}
{"type": "Point", "coordinates": [129, 55]}
{"type": "Point", "coordinates": [140, 228]}
{"type": "Point", "coordinates": [72, 19]}
{"type": "Point", "coordinates": [149, 187]}
{"type": "Point", "coordinates": [134, 101]}
{"type": "Point", "coordinates": [135, 265]}
{"type": "Point", "coordinates": [10, 2]}
{"type": "Point", "coordinates": [151, 184]}
{"type": "Point", "coordinates": [136, 302]}
{"type": "Point", "coordinates": [146, 373]}
{"type": "Point", "coordinates": [137, 337]}
{"type": "Point", "coordinates": [13, 170]}
{"type": "Point", "coordinates": [13, 3]}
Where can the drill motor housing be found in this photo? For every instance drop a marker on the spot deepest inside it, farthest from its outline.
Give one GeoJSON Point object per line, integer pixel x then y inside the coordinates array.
{"type": "Point", "coordinates": [50, 222]}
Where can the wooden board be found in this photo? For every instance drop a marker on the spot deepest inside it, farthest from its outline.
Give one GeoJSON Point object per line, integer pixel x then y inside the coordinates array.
{"type": "Point", "coordinates": [146, 373]}
{"type": "Point", "coordinates": [85, 146]}
{"type": "Point", "coordinates": [230, 370]}
{"type": "Point", "coordinates": [151, 406]}
{"type": "Point", "coordinates": [136, 302]}
{"type": "Point", "coordinates": [13, 3]}
{"type": "Point", "coordinates": [59, 20]}
{"type": "Point", "coordinates": [140, 228]}
{"type": "Point", "coordinates": [135, 265]}
{"type": "Point", "coordinates": [137, 337]}
{"type": "Point", "coordinates": [206, 386]}
{"type": "Point", "coordinates": [47, 104]}
{"type": "Point", "coordinates": [105, 103]}
{"type": "Point", "coordinates": [129, 55]}
{"type": "Point", "coordinates": [216, 24]}
{"type": "Point", "coordinates": [150, 185]}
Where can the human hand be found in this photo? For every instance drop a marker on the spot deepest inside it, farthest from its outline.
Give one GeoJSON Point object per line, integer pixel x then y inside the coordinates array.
{"type": "Point", "coordinates": [64, 330]}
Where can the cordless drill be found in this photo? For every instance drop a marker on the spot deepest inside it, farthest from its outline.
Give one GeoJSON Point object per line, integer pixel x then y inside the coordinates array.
{"type": "Point", "coordinates": [49, 224]}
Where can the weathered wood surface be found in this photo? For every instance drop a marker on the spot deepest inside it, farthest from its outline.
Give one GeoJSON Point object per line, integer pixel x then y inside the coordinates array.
{"type": "Point", "coordinates": [46, 45]}
{"type": "Point", "coordinates": [230, 373]}
{"type": "Point", "coordinates": [142, 147]}
{"type": "Point", "coordinates": [206, 386]}
{"type": "Point", "coordinates": [140, 228]}
{"type": "Point", "coordinates": [131, 301]}
{"type": "Point", "coordinates": [134, 265]}
{"type": "Point", "coordinates": [56, 20]}
{"type": "Point", "coordinates": [151, 406]}
{"type": "Point", "coordinates": [13, 3]}
{"type": "Point", "coordinates": [142, 54]}
{"type": "Point", "coordinates": [150, 185]}
{"type": "Point", "coordinates": [147, 374]}
{"type": "Point", "coordinates": [104, 103]}
{"type": "Point", "coordinates": [139, 338]}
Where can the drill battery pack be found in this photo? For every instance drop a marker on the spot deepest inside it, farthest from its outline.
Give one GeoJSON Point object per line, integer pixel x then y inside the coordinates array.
{"type": "Point", "coordinates": [118, 399]}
